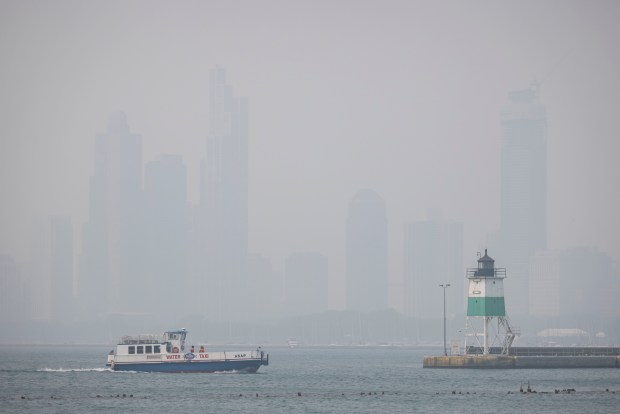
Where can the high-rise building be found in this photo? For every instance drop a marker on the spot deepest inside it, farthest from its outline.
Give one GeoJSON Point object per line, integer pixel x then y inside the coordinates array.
{"type": "Point", "coordinates": [544, 284]}
{"type": "Point", "coordinates": [306, 283]}
{"type": "Point", "coordinates": [433, 255]}
{"type": "Point", "coordinates": [51, 269]}
{"type": "Point", "coordinates": [166, 230]}
{"type": "Point", "coordinates": [367, 267]}
{"type": "Point", "coordinates": [266, 287]}
{"type": "Point", "coordinates": [61, 269]}
{"type": "Point", "coordinates": [14, 295]}
{"type": "Point", "coordinates": [224, 202]}
{"type": "Point", "coordinates": [523, 227]}
{"type": "Point", "coordinates": [111, 259]}
{"type": "Point", "coordinates": [589, 283]}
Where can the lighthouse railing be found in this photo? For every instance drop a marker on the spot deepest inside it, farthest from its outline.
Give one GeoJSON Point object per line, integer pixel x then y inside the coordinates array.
{"type": "Point", "coordinates": [498, 272]}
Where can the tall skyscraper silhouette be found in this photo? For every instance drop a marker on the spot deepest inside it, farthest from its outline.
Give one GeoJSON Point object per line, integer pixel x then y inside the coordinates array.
{"type": "Point", "coordinates": [110, 264]}
{"type": "Point", "coordinates": [267, 288]}
{"type": "Point", "coordinates": [166, 230]}
{"type": "Point", "coordinates": [15, 303]}
{"type": "Point", "coordinates": [51, 269]}
{"type": "Point", "coordinates": [589, 283]}
{"type": "Point", "coordinates": [523, 228]}
{"type": "Point", "coordinates": [61, 269]}
{"type": "Point", "coordinates": [544, 284]}
{"type": "Point", "coordinates": [224, 202]}
{"type": "Point", "coordinates": [306, 283]}
{"type": "Point", "coordinates": [367, 277]}
{"type": "Point", "coordinates": [433, 255]}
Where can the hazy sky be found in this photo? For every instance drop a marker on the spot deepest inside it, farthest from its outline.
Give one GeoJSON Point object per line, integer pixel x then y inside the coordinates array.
{"type": "Point", "coordinates": [399, 96]}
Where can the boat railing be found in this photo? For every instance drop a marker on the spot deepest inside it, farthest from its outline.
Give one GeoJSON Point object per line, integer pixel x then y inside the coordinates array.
{"type": "Point", "coordinates": [141, 339]}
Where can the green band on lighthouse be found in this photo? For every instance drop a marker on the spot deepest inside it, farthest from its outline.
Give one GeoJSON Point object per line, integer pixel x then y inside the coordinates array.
{"type": "Point", "coordinates": [486, 306]}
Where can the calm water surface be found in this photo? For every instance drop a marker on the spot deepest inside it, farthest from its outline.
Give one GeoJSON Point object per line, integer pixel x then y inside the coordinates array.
{"type": "Point", "coordinates": [72, 379]}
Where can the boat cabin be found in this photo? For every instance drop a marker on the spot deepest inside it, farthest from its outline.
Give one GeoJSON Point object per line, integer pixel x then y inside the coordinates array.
{"type": "Point", "coordinates": [172, 342]}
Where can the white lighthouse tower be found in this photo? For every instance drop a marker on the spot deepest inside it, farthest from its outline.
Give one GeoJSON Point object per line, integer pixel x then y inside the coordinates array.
{"type": "Point", "coordinates": [485, 303]}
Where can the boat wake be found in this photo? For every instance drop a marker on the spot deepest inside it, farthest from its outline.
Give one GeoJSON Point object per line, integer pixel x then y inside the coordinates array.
{"type": "Point", "coordinates": [74, 370]}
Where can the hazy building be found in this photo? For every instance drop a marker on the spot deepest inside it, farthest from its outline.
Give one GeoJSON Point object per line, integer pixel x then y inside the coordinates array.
{"type": "Point", "coordinates": [61, 269]}
{"type": "Point", "coordinates": [367, 278]}
{"type": "Point", "coordinates": [14, 295]}
{"type": "Point", "coordinates": [544, 284]}
{"type": "Point", "coordinates": [433, 255]}
{"type": "Point", "coordinates": [523, 227]}
{"type": "Point", "coordinates": [166, 230]}
{"type": "Point", "coordinates": [111, 260]}
{"type": "Point", "coordinates": [224, 203]}
{"type": "Point", "coordinates": [306, 283]}
{"type": "Point", "coordinates": [589, 283]}
{"type": "Point", "coordinates": [266, 287]}
{"type": "Point", "coordinates": [51, 269]}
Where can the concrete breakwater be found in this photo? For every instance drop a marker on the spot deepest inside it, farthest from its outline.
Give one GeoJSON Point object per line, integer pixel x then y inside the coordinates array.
{"type": "Point", "coordinates": [520, 362]}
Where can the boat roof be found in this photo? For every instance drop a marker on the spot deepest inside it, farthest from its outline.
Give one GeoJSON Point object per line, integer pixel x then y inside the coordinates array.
{"type": "Point", "coordinates": [180, 331]}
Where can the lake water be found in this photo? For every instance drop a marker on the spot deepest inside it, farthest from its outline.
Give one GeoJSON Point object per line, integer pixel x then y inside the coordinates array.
{"type": "Point", "coordinates": [72, 379]}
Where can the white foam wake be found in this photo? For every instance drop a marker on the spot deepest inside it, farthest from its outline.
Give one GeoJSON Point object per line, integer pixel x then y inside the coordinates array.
{"type": "Point", "coordinates": [74, 370]}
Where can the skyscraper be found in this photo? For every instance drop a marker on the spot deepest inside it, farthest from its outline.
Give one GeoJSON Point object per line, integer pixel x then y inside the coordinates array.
{"type": "Point", "coordinates": [367, 278]}
{"type": "Point", "coordinates": [523, 227]}
{"type": "Point", "coordinates": [224, 202]}
{"type": "Point", "coordinates": [433, 255]}
{"type": "Point", "coordinates": [51, 269]}
{"type": "Point", "coordinates": [589, 283]}
{"type": "Point", "coordinates": [61, 269]}
{"type": "Point", "coordinates": [166, 230]}
{"type": "Point", "coordinates": [14, 295]}
{"type": "Point", "coordinates": [110, 267]}
{"type": "Point", "coordinates": [267, 288]}
{"type": "Point", "coordinates": [306, 283]}
{"type": "Point", "coordinates": [545, 284]}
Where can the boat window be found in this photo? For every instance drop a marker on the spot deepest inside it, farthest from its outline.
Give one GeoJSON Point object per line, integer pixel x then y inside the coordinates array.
{"type": "Point", "coordinates": [140, 349]}
{"type": "Point", "coordinates": [132, 350]}
{"type": "Point", "coordinates": [157, 349]}
{"type": "Point", "coordinates": [148, 349]}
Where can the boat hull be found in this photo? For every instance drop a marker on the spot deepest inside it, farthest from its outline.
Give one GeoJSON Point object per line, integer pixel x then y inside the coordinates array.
{"type": "Point", "coordinates": [248, 366]}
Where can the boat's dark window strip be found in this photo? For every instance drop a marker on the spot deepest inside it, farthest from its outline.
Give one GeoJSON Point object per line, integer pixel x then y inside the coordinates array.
{"type": "Point", "coordinates": [157, 349]}
{"type": "Point", "coordinates": [148, 349]}
{"type": "Point", "coordinates": [140, 349]}
{"type": "Point", "coordinates": [132, 350]}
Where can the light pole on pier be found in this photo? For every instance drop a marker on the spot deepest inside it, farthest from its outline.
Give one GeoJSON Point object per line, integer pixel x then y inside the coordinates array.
{"type": "Point", "coordinates": [444, 286]}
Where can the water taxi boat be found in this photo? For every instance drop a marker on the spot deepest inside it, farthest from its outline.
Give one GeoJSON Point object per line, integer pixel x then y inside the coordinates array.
{"type": "Point", "coordinates": [168, 353]}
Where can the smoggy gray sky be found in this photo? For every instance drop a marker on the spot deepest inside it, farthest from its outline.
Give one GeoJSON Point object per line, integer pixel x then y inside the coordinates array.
{"type": "Point", "coordinates": [399, 96]}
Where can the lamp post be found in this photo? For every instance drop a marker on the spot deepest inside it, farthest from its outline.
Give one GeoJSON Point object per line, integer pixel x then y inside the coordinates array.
{"type": "Point", "coordinates": [444, 286]}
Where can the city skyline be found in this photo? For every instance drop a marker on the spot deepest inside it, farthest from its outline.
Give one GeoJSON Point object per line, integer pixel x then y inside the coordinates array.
{"type": "Point", "coordinates": [405, 101]}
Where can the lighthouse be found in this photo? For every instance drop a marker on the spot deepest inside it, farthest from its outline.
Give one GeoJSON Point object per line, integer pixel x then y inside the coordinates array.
{"type": "Point", "coordinates": [485, 301]}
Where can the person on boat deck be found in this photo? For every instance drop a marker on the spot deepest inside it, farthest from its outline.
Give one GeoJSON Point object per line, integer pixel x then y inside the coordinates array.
{"type": "Point", "coordinates": [192, 350]}
{"type": "Point", "coordinates": [202, 348]}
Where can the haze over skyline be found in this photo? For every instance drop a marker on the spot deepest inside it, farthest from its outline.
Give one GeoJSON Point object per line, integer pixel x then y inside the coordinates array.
{"type": "Point", "coordinates": [400, 97]}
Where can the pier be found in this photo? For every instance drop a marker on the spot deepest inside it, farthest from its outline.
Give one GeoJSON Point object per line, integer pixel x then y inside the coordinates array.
{"type": "Point", "coordinates": [520, 362]}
